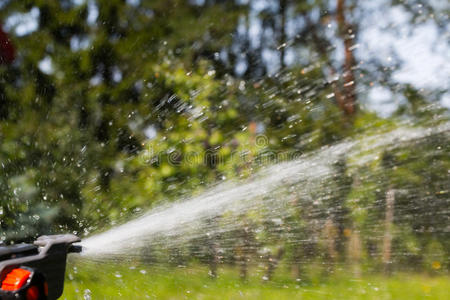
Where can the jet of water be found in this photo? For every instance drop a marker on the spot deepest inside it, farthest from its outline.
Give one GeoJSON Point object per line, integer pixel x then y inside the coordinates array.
{"type": "Point", "coordinates": [182, 220]}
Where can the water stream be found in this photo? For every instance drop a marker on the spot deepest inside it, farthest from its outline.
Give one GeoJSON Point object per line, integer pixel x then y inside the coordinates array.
{"type": "Point", "coordinates": [269, 193]}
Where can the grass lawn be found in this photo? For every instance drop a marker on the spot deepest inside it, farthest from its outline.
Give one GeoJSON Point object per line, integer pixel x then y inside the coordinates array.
{"type": "Point", "coordinates": [110, 281]}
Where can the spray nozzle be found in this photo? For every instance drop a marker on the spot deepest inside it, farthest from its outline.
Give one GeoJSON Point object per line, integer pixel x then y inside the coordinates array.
{"type": "Point", "coordinates": [36, 271]}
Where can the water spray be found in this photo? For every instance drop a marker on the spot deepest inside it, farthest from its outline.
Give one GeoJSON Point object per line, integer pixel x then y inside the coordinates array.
{"type": "Point", "coordinates": [182, 220]}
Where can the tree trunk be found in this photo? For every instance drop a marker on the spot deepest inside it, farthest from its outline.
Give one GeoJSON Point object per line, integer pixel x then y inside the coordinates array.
{"type": "Point", "coordinates": [282, 41]}
{"type": "Point", "coordinates": [347, 99]}
{"type": "Point", "coordinates": [212, 243]}
{"type": "Point", "coordinates": [354, 252]}
{"type": "Point", "coordinates": [388, 222]}
{"type": "Point", "coordinates": [330, 236]}
{"type": "Point", "coordinates": [296, 268]}
{"type": "Point", "coordinates": [272, 263]}
{"type": "Point", "coordinates": [244, 253]}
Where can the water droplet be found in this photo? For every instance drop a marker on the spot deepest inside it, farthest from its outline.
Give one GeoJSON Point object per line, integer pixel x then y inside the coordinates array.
{"type": "Point", "coordinates": [87, 294]}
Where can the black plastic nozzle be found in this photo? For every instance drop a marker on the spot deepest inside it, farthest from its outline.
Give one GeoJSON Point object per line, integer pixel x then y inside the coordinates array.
{"type": "Point", "coordinates": [39, 266]}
